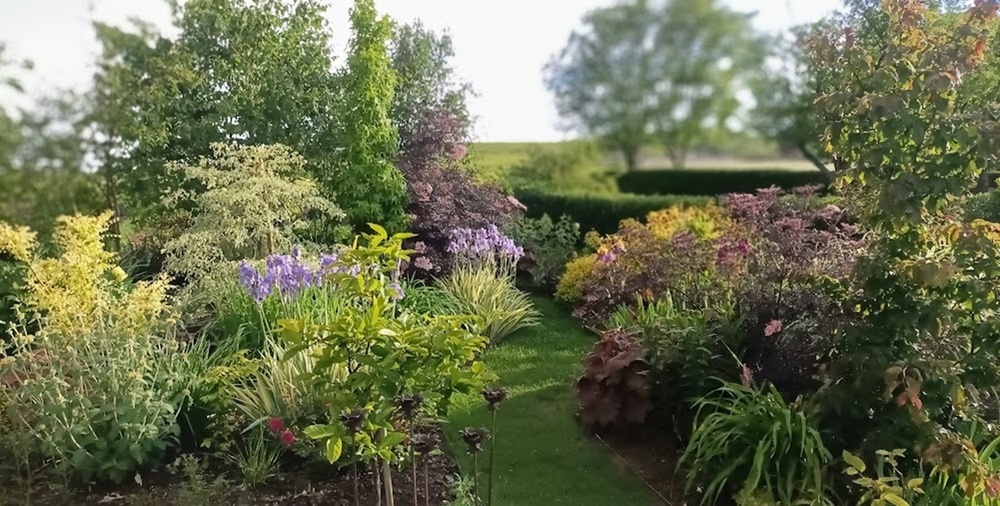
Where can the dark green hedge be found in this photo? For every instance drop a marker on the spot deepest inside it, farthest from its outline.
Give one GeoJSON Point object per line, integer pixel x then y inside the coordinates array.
{"type": "Point", "coordinates": [713, 181]}
{"type": "Point", "coordinates": [600, 212]}
{"type": "Point", "coordinates": [983, 206]}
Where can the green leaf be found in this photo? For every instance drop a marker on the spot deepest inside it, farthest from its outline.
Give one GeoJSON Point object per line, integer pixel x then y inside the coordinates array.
{"type": "Point", "coordinates": [392, 439]}
{"type": "Point", "coordinates": [894, 499]}
{"type": "Point", "coordinates": [334, 447]}
{"type": "Point", "coordinates": [322, 431]}
{"type": "Point", "coordinates": [914, 483]}
{"type": "Point", "coordinates": [854, 461]}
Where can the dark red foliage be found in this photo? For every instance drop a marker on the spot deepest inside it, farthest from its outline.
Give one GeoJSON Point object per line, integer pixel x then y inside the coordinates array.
{"type": "Point", "coordinates": [442, 195]}
{"type": "Point", "coordinates": [615, 387]}
{"type": "Point", "coordinates": [794, 244]}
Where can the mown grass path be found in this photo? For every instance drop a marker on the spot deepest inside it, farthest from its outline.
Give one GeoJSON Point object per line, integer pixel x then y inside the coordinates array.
{"type": "Point", "coordinates": [543, 457]}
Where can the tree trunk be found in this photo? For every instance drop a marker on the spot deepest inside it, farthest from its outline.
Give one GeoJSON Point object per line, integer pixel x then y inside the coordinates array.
{"type": "Point", "coordinates": [631, 158]}
{"type": "Point", "coordinates": [816, 161]}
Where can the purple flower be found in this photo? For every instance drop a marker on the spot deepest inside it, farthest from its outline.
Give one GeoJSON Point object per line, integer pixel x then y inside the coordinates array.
{"type": "Point", "coordinates": [398, 295]}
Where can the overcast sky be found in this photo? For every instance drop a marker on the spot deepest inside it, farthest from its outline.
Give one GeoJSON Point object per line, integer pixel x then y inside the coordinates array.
{"type": "Point", "coordinates": [501, 45]}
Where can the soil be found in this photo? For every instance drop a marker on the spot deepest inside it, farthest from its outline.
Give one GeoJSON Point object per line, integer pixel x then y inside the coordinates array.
{"type": "Point", "coordinates": [310, 485]}
{"type": "Point", "coordinates": [652, 454]}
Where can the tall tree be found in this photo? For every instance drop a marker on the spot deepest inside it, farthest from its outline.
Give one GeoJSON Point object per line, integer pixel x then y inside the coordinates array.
{"type": "Point", "coordinates": [242, 72]}
{"type": "Point", "coordinates": [370, 187]}
{"type": "Point", "coordinates": [601, 80]}
{"type": "Point", "coordinates": [667, 70]}
{"type": "Point", "coordinates": [704, 54]}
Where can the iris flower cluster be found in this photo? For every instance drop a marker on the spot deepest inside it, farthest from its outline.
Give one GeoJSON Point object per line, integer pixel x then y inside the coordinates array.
{"type": "Point", "coordinates": [289, 275]}
{"type": "Point", "coordinates": [483, 242]}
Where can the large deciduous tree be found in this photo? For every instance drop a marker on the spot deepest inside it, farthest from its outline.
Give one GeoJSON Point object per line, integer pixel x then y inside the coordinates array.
{"type": "Point", "coordinates": [667, 71]}
{"type": "Point", "coordinates": [240, 71]}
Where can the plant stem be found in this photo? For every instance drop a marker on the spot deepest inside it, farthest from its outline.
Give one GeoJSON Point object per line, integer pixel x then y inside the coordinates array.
{"type": "Point", "coordinates": [354, 471]}
{"type": "Point", "coordinates": [413, 464]}
{"type": "Point", "coordinates": [378, 482]}
{"type": "Point", "coordinates": [493, 447]}
{"type": "Point", "coordinates": [475, 476]}
{"type": "Point", "coordinates": [390, 498]}
{"type": "Point", "coordinates": [427, 480]}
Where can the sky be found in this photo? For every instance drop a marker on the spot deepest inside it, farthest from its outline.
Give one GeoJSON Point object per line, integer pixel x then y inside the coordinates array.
{"type": "Point", "coordinates": [501, 46]}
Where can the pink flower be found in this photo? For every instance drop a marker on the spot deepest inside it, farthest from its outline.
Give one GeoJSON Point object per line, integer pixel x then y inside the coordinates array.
{"type": "Point", "coordinates": [459, 151]}
{"type": "Point", "coordinates": [420, 247]}
{"type": "Point", "coordinates": [746, 377]}
{"type": "Point", "coordinates": [276, 424]}
{"type": "Point", "coordinates": [423, 263]}
{"type": "Point", "coordinates": [772, 328]}
{"type": "Point", "coordinates": [287, 438]}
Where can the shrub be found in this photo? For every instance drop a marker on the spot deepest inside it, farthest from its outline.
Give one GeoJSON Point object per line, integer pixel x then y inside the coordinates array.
{"type": "Point", "coordinates": [386, 355]}
{"type": "Point", "coordinates": [548, 245]}
{"type": "Point", "coordinates": [983, 206]}
{"type": "Point", "coordinates": [570, 286]}
{"type": "Point", "coordinates": [482, 282]}
{"type": "Point", "coordinates": [597, 211]}
{"type": "Point", "coordinates": [255, 200]}
{"type": "Point", "coordinates": [100, 384]}
{"type": "Point", "coordinates": [615, 387]}
{"type": "Point", "coordinates": [751, 438]}
{"type": "Point", "coordinates": [714, 181]}
{"type": "Point", "coordinates": [442, 196]}
{"type": "Point", "coordinates": [495, 300]}
{"type": "Point", "coordinates": [634, 261]}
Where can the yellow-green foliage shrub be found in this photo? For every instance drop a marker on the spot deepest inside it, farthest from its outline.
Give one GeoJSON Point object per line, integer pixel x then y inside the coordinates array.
{"type": "Point", "coordinates": [99, 384]}
{"type": "Point", "coordinates": [704, 222]}
{"type": "Point", "coordinates": [570, 287]}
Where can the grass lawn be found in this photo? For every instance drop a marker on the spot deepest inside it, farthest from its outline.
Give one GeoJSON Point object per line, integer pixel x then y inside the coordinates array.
{"type": "Point", "coordinates": [543, 456]}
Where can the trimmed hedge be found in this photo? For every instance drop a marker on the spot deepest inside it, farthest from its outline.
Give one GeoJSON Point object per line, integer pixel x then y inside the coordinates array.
{"type": "Point", "coordinates": [600, 212]}
{"type": "Point", "coordinates": [714, 181]}
{"type": "Point", "coordinates": [983, 206]}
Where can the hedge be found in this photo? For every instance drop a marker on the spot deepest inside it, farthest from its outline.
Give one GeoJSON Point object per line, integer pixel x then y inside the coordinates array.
{"type": "Point", "coordinates": [983, 206]}
{"type": "Point", "coordinates": [714, 181]}
{"type": "Point", "coordinates": [600, 212]}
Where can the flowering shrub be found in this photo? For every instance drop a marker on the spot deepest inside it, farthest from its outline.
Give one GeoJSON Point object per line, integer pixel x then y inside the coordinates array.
{"type": "Point", "coordinates": [100, 384]}
{"type": "Point", "coordinates": [442, 196]}
{"type": "Point", "coordinates": [482, 281]}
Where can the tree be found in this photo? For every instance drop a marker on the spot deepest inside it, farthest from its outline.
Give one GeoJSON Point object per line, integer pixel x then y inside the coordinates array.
{"type": "Point", "coordinates": [645, 70]}
{"type": "Point", "coordinates": [429, 110]}
{"type": "Point", "coordinates": [248, 72]}
{"type": "Point", "coordinates": [703, 55]}
{"type": "Point", "coordinates": [602, 78]}
{"type": "Point", "coordinates": [369, 187]}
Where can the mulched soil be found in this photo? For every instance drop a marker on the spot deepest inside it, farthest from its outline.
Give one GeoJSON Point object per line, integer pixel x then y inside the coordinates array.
{"type": "Point", "coordinates": [314, 485]}
{"type": "Point", "coordinates": [652, 454]}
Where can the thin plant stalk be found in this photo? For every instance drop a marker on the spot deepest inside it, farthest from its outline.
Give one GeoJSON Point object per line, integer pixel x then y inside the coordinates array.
{"type": "Point", "coordinates": [413, 464]}
{"type": "Point", "coordinates": [390, 498]}
{"type": "Point", "coordinates": [354, 472]}
{"type": "Point", "coordinates": [475, 477]}
{"type": "Point", "coordinates": [493, 447]}
{"type": "Point", "coordinates": [427, 480]}
{"type": "Point", "coordinates": [378, 482]}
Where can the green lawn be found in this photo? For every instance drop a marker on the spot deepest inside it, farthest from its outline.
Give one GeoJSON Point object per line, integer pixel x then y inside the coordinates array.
{"type": "Point", "coordinates": [543, 456]}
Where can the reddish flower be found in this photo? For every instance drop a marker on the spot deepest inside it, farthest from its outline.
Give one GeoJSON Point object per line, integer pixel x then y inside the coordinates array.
{"type": "Point", "coordinates": [772, 328]}
{"type": "Point", "coordinates": [746, 376]}
{"type": "Point", "coordinates": [287, 438]}
{"type": "Point", "coordinates": [276, 424]}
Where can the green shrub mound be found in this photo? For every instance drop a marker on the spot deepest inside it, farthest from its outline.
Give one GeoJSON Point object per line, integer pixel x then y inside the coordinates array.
{"type": "Point", "coordinates": [714, 181]}
{"type": "Point", "coordinates": [601, 212]}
